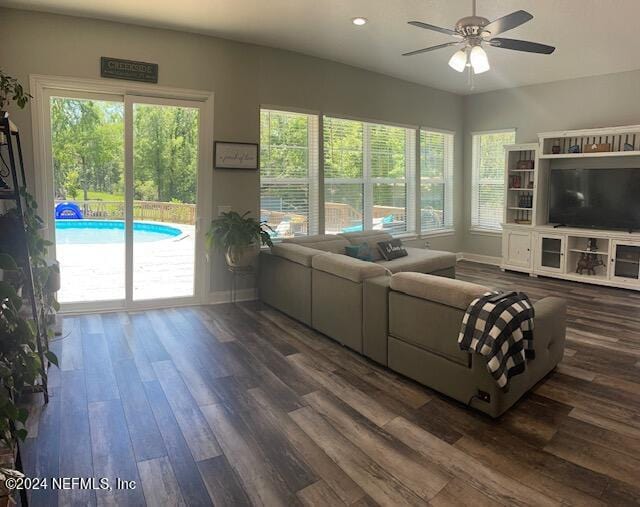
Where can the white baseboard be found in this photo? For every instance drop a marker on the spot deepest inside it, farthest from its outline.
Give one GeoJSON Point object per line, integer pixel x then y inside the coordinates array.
{"type": "Point", "coordinates": [224, 296]}
{"type": "Point", "coordinates": [480, 259]}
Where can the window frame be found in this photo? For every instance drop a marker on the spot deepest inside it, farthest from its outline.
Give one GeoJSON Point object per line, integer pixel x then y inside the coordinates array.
{"type": "Point", "coordinates": [475, 228]}
{"type": "Point", "coordinates": [313, 178]}
{"type": "Point", "coordinates": [448, 180]}
{"type": "Point", "coordinates": [367, 181]}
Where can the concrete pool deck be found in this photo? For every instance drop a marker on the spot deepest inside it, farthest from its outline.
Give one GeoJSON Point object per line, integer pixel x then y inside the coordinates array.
{"type": "Point", "coordinates": [96, 272]}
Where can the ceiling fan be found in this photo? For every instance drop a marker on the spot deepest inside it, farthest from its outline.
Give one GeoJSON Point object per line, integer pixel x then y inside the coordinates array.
{"type": "Point", "coordinates": [474, 31]}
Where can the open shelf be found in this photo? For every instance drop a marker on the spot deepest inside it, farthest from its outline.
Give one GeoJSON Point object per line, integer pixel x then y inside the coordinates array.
{"type": "Point", "coordinates": [634, 153]}
{"type": "Point", "coordinates": [601, 271]}
{"type": "Point", "coordinates": [521, 189]}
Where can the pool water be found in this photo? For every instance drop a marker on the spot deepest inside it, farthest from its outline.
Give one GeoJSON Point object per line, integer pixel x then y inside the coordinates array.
{"type": "Point", "coordinates": [78, 232]}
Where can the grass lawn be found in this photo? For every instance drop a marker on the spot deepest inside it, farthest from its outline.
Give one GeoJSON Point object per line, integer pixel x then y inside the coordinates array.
{"type": "Point", "coordinates": [101, 196]}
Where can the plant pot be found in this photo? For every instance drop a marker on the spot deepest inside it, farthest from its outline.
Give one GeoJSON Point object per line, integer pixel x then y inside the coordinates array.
{"type": "Point", "coordinates": [241, 257]}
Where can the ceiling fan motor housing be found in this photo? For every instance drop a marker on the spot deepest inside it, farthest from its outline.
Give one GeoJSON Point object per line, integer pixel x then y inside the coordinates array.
{"type": "Point", "coordinates": [471, 26]}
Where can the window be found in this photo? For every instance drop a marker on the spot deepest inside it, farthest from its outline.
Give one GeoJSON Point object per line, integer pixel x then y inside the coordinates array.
{"type": "Point", "coordinates": [487, 199]}
{"type": "Point", "coordinates": [436, 181]}
{"type": "Point", "coordinates": [289, 172]}
{"type": "Point", "coordinates": [369, 173]}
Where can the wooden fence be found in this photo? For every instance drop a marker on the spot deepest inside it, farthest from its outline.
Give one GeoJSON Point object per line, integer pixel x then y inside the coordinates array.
{"type": "Point", "coordinates": [176, 213]}
{"type": "Point", "coordinates": [337, 216]}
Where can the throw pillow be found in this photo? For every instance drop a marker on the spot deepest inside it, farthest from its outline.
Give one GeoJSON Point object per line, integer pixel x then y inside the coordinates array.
{"type": "Point", "coordinates": [362, 252]}
{"type": "Point", "coordinates": [392, 249]}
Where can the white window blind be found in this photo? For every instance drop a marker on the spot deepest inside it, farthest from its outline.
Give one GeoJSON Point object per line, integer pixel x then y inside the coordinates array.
{"type": "Point", "coordinates": [436, 181]}
{"type": "Point", "coordinates": [289, 172]}
{"type": "Point", "coordinates": [369, 175]}
{"type": "Point", "coordinates": [488, 162]}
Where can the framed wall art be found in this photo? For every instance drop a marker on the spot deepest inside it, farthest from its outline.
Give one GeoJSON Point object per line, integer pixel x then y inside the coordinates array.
{"type": "Point", "coordinates": [228, 155]}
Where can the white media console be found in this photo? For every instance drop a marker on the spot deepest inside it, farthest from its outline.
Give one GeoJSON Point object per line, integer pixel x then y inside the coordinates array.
{"type": "Point", "coordinates": [531, 245]}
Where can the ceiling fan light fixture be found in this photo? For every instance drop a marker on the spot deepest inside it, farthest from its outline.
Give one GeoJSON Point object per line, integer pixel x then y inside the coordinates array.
{"type": "Point", "coordinates": [479, 60]}
{"type": "Point", "coordinates": [458, 61]}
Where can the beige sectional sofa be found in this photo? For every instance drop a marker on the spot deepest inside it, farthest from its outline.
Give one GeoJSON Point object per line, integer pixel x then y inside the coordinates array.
{"type": "Point", "coordinates": [399, 315]}
{"type": "Point", "coordinates": [285, 274]}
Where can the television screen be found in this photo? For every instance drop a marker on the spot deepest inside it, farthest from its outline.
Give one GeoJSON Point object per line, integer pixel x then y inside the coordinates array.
{"type": "Point", "coordinates": [595, 198]}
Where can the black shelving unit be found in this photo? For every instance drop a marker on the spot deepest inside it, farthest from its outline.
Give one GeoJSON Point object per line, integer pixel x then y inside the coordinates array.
{"type": "Point", "coordinates": [10, 139]}
{"type": "Point", "coordinates": [10, 144]}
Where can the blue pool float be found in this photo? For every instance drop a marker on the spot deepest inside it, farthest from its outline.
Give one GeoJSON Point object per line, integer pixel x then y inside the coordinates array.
{"type": "Point", "coordinates": [68, 211]}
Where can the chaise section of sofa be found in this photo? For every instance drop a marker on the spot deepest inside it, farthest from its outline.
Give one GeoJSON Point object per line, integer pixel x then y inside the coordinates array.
{"type": "Point", "coordinates": [418, 260]}
{"type": "Point", "coordinates": [425, 315]}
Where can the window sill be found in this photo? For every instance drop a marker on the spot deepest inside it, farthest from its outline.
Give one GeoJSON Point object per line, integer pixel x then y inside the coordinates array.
{"type": "Point", "coordinates": [438, 233]}
{"type": "Point", "coordinates": [405, 235]}
{"type": "Point", "coordinates": [485, 232]}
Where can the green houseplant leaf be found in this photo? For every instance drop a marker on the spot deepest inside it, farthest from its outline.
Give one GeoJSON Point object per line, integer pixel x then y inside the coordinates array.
{"type": "Point", "coordinates": [231, 229]}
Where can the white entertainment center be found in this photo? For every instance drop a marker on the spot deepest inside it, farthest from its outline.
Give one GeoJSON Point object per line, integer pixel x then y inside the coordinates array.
{"type": "Point", "coordinates": [530, 244]}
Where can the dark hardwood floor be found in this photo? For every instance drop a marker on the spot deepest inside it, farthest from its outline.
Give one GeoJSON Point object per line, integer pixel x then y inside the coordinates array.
{"type": "Point", "coordinates": [238, 405]}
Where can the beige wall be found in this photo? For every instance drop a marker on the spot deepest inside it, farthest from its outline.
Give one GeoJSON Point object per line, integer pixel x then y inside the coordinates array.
{"type": "Point", "coordinates": [599, 101]}
{"type": "Point", "coordinates": [242, 76]}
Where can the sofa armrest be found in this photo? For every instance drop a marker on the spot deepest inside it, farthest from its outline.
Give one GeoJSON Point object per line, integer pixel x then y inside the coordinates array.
{"type": "Point", "coordinates": [295, 253]}
{"type": "Point", "coordinates": [347, 267]}
{"type": "Point", "coordinates": [550, 324]}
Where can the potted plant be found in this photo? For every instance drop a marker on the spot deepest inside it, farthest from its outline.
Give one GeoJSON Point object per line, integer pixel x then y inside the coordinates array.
{"type": "Point", "coordinates": [11, 91]}
{"type": "Point", "coordinates": [239, 236]}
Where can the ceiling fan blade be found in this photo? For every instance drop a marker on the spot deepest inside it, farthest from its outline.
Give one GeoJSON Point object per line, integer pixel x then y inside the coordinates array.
{"type": "Point", "coordinates": [522, 45]}
{"type": "Point", "coordinates": [508, 22]}
{"type": "Point", "coordinates": [432, 48]}
{"type": "Point", "coordinates": [420, 24]}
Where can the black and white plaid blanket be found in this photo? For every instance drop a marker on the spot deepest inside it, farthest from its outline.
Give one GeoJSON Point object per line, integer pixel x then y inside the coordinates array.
{"type": "Point", "coordinates": [501, 330]}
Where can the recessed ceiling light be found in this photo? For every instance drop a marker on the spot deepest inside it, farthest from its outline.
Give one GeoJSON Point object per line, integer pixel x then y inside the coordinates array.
{"type": "Point", "coordinates": [359, 21]}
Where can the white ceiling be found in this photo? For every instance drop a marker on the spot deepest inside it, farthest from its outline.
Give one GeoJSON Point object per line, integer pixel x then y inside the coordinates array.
{"type": "Point", "coordinates": [592, 37]}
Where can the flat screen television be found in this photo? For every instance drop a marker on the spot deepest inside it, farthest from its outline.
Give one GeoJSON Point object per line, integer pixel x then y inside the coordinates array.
{"type": "Point", "coordinates": [595, 198]}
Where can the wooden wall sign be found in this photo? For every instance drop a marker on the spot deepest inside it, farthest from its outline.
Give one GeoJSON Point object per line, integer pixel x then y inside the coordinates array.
{"type": "Point", "coordinates": [236, 155]}
{"type": "Point", "coordinates": [130, 70]}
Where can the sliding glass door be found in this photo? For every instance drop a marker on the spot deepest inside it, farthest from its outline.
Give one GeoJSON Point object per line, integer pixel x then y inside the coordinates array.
{"type": "Point", "coordinates": [87, 149]}
{"type": "Point", "coordinates": [165, 175]}
{"type": "Point", "coordinates": [124, 173]}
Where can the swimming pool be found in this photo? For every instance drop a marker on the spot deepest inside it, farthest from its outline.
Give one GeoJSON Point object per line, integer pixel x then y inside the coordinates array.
{"type": "Point", "coordinates": [79, 232]}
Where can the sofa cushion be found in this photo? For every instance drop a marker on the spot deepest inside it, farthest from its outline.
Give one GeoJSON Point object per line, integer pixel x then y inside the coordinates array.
{"type": "Point", "coordinates": [325, 242]}
{"type": "Point", "coordinates": [392, 249]}
{"type": "Point", "coordinates": [295, 253]}
{"type": "Point", "coordinates": [362, 252]}
{"type": "Point", "coordinates": [421, 261]}
{"type": "Point", "coordinates": [438, 289]}
{"type": "Point", "coordinates": [371, 238]}
{"type": "Point", "coordinates": [347, 267]}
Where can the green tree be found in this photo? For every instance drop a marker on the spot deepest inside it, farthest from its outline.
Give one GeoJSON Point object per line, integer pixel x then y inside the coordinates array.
{"type": "Point", "coordinates": [88, 149]}
{"type": "Point", "coordinates": [88, 138]}
{"type": "Point", "coordinates": [72, 183]}
{"type": "Point", "coordinates": [166, 152]}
